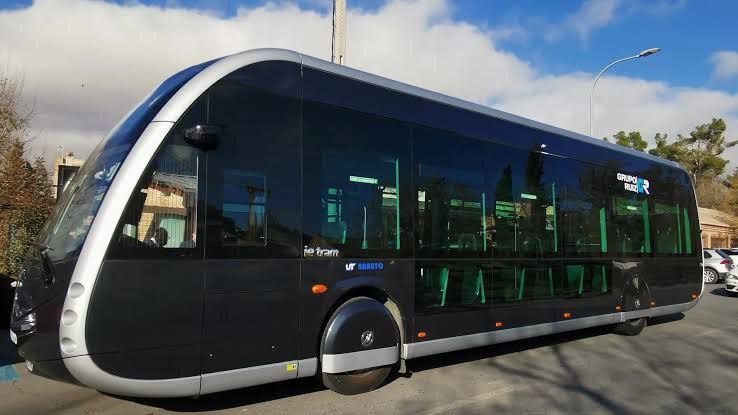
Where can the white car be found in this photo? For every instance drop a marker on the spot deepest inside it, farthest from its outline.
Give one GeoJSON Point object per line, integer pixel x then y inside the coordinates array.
{"type": "Point", "coordinates": [732, 253]}
{"type": "Point", "coordinates": [731, 283]}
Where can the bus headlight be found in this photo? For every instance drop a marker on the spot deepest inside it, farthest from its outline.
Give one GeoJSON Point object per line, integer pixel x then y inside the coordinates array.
{"type": "Point", "coordinates": [23, 322]}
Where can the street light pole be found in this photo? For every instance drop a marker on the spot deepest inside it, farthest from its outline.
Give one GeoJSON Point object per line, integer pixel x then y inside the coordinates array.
{"type": "Point", "coordinates": [643, 54]}
{"type": "Point", "coordinates": [338, 46]}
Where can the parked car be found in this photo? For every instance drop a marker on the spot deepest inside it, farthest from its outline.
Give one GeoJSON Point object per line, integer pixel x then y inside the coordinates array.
{"type": "Point", "coordinates": [732, 253]}
{"type": "Point", "coordinates": [717, 265]}
{"type": "Point", "coordinates": [731, 283]}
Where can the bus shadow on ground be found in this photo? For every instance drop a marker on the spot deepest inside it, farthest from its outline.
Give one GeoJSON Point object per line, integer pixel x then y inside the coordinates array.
{"type": "Point", "coordinates": [234, 398]}
{"type": "Point", "coordinates": [559, 383]}
{"type": "Point", "coordinates": [721, 291]}
{"type": "Point", "coordinates": [275, 391]}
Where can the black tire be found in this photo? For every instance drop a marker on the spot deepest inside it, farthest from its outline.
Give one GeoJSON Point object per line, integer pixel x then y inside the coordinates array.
{"type": "Point", "coordinates": [710, 276]}
{"type": "Point", "coordinates": [356, 382]}
{"type": "Point", "coordinates": [630, 327]}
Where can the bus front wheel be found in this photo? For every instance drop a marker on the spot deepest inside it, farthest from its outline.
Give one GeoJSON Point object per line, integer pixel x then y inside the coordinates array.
{"type": "Point", "coordinates": [358, 381]}
{"type": "Point", "coordinates": [360, 346]}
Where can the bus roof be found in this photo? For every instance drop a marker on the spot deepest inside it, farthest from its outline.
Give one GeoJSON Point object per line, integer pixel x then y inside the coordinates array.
{"type": "Point", "coordinates": [228, 64]}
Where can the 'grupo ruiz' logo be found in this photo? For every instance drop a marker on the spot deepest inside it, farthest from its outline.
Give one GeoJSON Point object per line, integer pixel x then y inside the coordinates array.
{"type": "Point", "coordinates": [634, 183]}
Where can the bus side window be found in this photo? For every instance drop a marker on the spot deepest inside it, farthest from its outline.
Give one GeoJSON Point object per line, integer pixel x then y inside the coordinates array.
{"type": "Point", "coordinates": [356, 184]}
{"type": "Point", "coordinates": [253, 176]}
{"type": "Point", "coordinates": [630, 225]}
{"type": "Point", "coordinates": [162, 213]}
{"type": "Point", "coordinates": [451, 218]}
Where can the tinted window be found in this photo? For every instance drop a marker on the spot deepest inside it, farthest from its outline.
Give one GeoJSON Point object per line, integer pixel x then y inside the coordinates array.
{"type": "Point", "coordinates": [583, 210]}
{"type": "Point", "coordinates": [454, 284]}
{"type": "Point", "coordinates": [630, 225]}
{"type": "Point", "coordinates": [526, 204]}
{"type": "Point", "coordinates": [356, 186]}
{"type": "Point", "coordinates": [668, 230]}
{"type": "Point", "coordinates": [253, 203]}
{"type": "Point", "coordinates": [163, 214]}
{"type": "Point", "coordinates": [451, 195]}
{"type": "Point", "coordinates": [706, 254]}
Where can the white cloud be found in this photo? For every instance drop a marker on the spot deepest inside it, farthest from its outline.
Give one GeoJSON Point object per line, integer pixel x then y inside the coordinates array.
{"type": "Point", "coordinates": [591, 15]}
{"type": "Point", "coordinates": [120, 52]}
{"type": "Point", "coordinates": [726, 64]}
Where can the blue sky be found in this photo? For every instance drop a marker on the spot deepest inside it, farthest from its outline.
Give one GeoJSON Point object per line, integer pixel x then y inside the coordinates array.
{"type": "Point", "coordinates": [687, 31]}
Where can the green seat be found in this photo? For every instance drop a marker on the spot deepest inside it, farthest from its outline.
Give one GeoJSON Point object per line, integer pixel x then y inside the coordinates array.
{"type": "Point", "coordinates": [599, 281]}
{"type": "Point", "coordinates": [575, 277]}
{"type": "Point", "coordinates": [521, 288]}
{"type": "Point", "coordinates": [444, 285]}
{"type": "Point", "coordinates": [473, 287]}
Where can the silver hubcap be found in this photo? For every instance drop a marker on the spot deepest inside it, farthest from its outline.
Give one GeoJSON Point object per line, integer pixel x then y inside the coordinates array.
{"type": "Point", "coordinates": [708, 276]}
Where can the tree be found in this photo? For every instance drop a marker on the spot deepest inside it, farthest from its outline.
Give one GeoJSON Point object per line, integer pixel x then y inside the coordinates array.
{"type": "Point", "coordinates": [25, 191]}
{"type": "Point", "coordinates": [631, 140]}
{"type": "Point", "coordinates": [705, 145]}
{"type": "Point", "coordinates": [674, 151]}
{"type": "Point", "coordinates": [700, 151]}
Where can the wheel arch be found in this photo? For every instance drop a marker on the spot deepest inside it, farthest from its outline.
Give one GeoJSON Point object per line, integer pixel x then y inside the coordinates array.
{"type": "Point", "coordinates": [370, 291]}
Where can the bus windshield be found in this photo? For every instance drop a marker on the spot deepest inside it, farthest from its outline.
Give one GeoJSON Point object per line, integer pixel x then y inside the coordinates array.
{"type": "Point", "coordinates": [66, 230]}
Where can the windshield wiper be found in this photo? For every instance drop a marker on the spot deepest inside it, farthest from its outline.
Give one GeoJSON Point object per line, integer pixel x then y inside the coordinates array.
{"type": "Point", "coordinates": [43, 251]}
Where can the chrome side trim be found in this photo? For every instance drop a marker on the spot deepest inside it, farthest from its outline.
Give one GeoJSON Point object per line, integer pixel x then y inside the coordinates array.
{"type": "Point", "coordinates": [88, 373]}
{"type": "Point", "coordinates": [673, 309]}
{"type": "Point", "coordinates": [248, 376]}
{"type": "Point", "coordinates": [426, 348]}
{"type": "Point", "coordinates": [346, 362]}
{"type": "Point", "coordinates": [307, 367]}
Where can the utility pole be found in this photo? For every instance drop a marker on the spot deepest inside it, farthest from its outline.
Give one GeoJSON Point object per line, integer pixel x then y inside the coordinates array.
{"type": "Point", "coordinates": [338, 48]}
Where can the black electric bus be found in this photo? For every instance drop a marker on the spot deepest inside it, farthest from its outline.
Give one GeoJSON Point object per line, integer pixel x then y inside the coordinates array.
{"type": "Point", "coordinates": [269, 216]}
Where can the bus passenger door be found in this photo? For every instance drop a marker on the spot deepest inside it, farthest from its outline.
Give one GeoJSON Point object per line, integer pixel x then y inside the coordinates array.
{"type": "Point", "coordinates": [252, 255]}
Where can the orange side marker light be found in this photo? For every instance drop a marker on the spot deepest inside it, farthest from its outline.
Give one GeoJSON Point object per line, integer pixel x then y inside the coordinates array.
{"type": "Point", "coordinates": [618, 308]}
{"type": "Point", "coordinates": [694, 296]}
{"type": "Point", "coordinates": [567, 315]}
{"type": "Point", "coordinates": [421, 334]}
{"type": "Point", "coordinates": [499, 324]}
{"type": "Point", "coordinates": [653, 303]}
{"type": "Point", "coordinates": [319, 289]}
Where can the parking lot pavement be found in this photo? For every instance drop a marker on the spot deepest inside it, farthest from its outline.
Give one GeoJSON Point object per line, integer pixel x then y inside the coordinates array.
{"type": "Point", "coordinates": [685, 363]}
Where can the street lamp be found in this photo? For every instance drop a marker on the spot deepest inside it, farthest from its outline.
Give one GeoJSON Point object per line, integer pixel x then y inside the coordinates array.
{"type": "Point", "coordinates": [643, 54]}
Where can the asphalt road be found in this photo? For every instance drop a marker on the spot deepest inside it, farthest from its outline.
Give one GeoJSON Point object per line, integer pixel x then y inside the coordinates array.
{"type": "Point", "coordinates": [686, 363]}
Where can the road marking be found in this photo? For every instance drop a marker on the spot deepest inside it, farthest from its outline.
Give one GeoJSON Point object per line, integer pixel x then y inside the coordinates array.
{"type": "Point", "coordinates": [8, 374]}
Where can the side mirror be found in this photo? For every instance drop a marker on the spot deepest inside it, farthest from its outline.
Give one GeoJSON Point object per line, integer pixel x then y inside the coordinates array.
{"type": "Point", "coordinates": [205, 137]}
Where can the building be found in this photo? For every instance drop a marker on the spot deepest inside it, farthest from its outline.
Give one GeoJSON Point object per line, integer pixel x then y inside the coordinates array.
{"type": "Point", "coordinates": [718, 229]}
{"type": "Point", "coordinates": [65, 167]}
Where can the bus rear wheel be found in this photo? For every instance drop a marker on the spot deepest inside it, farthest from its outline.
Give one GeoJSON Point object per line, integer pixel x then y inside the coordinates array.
{"type": "Point", "coordinates": [630, 327]}
{"type": "Point", "coordinates": [357, 381]}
